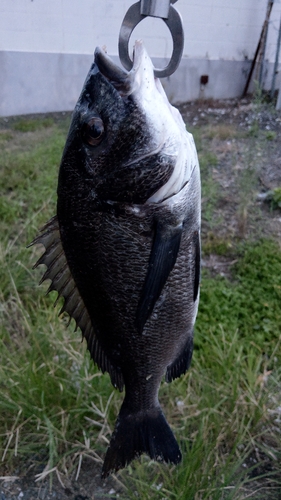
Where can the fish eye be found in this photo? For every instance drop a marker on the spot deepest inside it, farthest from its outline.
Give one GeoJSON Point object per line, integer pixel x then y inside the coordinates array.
{"type": "Point", "coordinates": [93, 131]}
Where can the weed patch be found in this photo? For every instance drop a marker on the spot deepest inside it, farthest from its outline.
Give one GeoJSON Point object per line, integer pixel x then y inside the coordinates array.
{"type": "Point", "coordinates": [276, 198]}
{"type": "Point", "coordinates": [221, 132]}
{"type": "Point", "coordinates": [250, 303]}
{"type": "Point", "coordinates": [214, 244]}
{"type": "Point", "coordinates": [32, 125]}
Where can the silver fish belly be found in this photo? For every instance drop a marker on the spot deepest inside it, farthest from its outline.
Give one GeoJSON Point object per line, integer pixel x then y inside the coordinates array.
{"type": "Point", "coordinates": [124, 247]}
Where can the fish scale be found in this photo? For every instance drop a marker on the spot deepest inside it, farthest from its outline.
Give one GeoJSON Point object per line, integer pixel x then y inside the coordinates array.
{"type": "Point", "coordinates": [124, 248]}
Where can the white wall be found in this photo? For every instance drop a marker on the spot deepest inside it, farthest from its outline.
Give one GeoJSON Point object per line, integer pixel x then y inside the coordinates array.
{"type": "Point", "coordinates": [215, 31]}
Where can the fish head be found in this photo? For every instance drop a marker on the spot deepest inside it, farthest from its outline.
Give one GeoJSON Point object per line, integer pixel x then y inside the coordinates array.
{"type": "Point", "coordinates": [126, 143]}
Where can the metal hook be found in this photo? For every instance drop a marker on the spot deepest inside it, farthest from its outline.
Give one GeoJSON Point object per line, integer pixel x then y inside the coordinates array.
{"type": "Point", "coordinates": [156, 9]}
{"type": "Point", "coordinates": [136, 13]}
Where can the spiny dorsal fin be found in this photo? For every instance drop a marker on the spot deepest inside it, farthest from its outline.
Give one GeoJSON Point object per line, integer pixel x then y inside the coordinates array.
{"type": "Point", "coordinates": [62, 281]}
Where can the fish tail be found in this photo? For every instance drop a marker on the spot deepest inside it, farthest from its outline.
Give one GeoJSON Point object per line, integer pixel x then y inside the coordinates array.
{"type": "Point", "coordinates": [146, 431]}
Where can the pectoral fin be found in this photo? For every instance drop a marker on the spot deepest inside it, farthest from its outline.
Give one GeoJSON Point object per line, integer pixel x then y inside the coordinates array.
{"type": "Point", "coordinates": [162, 260]}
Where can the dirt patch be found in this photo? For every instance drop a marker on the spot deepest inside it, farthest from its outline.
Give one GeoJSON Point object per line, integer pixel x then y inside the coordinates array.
{"type": "Point", "coordinates": [244, 138]}
{"type": "Point", "coordinates": [88, 486]}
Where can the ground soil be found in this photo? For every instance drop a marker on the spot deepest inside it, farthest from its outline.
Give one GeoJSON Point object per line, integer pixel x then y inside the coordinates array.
{"type": "Point", "coordinates": [241, 211]}
{"type": "Point", "coordinates": [88, 486]}
{"type": "Point", "coordinates": [247, 144]}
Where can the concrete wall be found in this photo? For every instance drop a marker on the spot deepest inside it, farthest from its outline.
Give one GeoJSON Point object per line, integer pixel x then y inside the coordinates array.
{"type": "Point", "coordinates": [46, 48]}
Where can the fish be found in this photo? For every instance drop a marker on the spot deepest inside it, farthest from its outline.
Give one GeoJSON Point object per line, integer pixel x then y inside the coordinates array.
{"type": "Point", "coordinates": [123, 249]}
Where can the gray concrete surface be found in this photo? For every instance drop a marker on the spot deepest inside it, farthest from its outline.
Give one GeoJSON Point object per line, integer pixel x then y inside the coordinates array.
{"type": "Point", "coordinates": [32, 82]}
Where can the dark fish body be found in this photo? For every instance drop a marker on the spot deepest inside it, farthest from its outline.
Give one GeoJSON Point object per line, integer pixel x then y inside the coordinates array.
{"type": "Point", "coordinates": [124, 248]}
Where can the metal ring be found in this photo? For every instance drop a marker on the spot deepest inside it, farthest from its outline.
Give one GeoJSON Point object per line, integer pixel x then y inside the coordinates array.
{"type": "Point", "coordinates": [174, 23]}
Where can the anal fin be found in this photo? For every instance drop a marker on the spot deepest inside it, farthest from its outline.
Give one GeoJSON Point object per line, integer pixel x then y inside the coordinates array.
{"type": "Point", "coordinates": [181, 363]}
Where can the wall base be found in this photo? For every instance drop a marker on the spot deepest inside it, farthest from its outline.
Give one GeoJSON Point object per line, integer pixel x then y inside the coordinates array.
{"type": "Point", "coordinates": [44, 82]}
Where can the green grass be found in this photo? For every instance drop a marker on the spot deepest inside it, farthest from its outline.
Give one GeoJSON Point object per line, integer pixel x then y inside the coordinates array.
{"type": "Point", "coordinates": [208, 161]}
{"type": "Point", "coordinates": [56, 408]}
{"type": "Point", "coordinates": [32, 125]}
{"type": "Point", "coordinates": [276, 198]}
{"type": "Point", "coordinates": [214, 244]}
{"type": "Point", "coordinates": [250, 304]}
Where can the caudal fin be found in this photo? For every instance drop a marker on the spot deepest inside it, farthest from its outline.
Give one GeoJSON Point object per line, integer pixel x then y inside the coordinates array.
{"type": "Point", "coordinates": [137, 433]}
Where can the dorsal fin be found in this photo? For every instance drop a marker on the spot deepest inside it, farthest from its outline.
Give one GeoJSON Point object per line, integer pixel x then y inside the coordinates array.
{"type": "Point", "coordinates": [62, 281]}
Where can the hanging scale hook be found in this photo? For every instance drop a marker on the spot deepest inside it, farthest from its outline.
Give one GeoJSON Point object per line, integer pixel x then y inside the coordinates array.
{"type": "Point", "coordinates": [154, 8]}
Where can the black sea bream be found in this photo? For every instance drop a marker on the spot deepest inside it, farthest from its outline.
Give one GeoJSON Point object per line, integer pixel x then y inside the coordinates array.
{"type": "Point", "coordinates": [124, 247]}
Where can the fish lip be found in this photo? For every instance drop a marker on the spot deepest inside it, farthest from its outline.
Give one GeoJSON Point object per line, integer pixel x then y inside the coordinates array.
{"type": "Point", "coordinates": [116, 76]}
{"type": "Point", "coordinates": [121, 79]}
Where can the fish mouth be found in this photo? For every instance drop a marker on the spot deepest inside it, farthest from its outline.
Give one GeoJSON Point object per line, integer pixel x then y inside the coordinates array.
{"type": "Point", "coordinates": [126, 82]}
